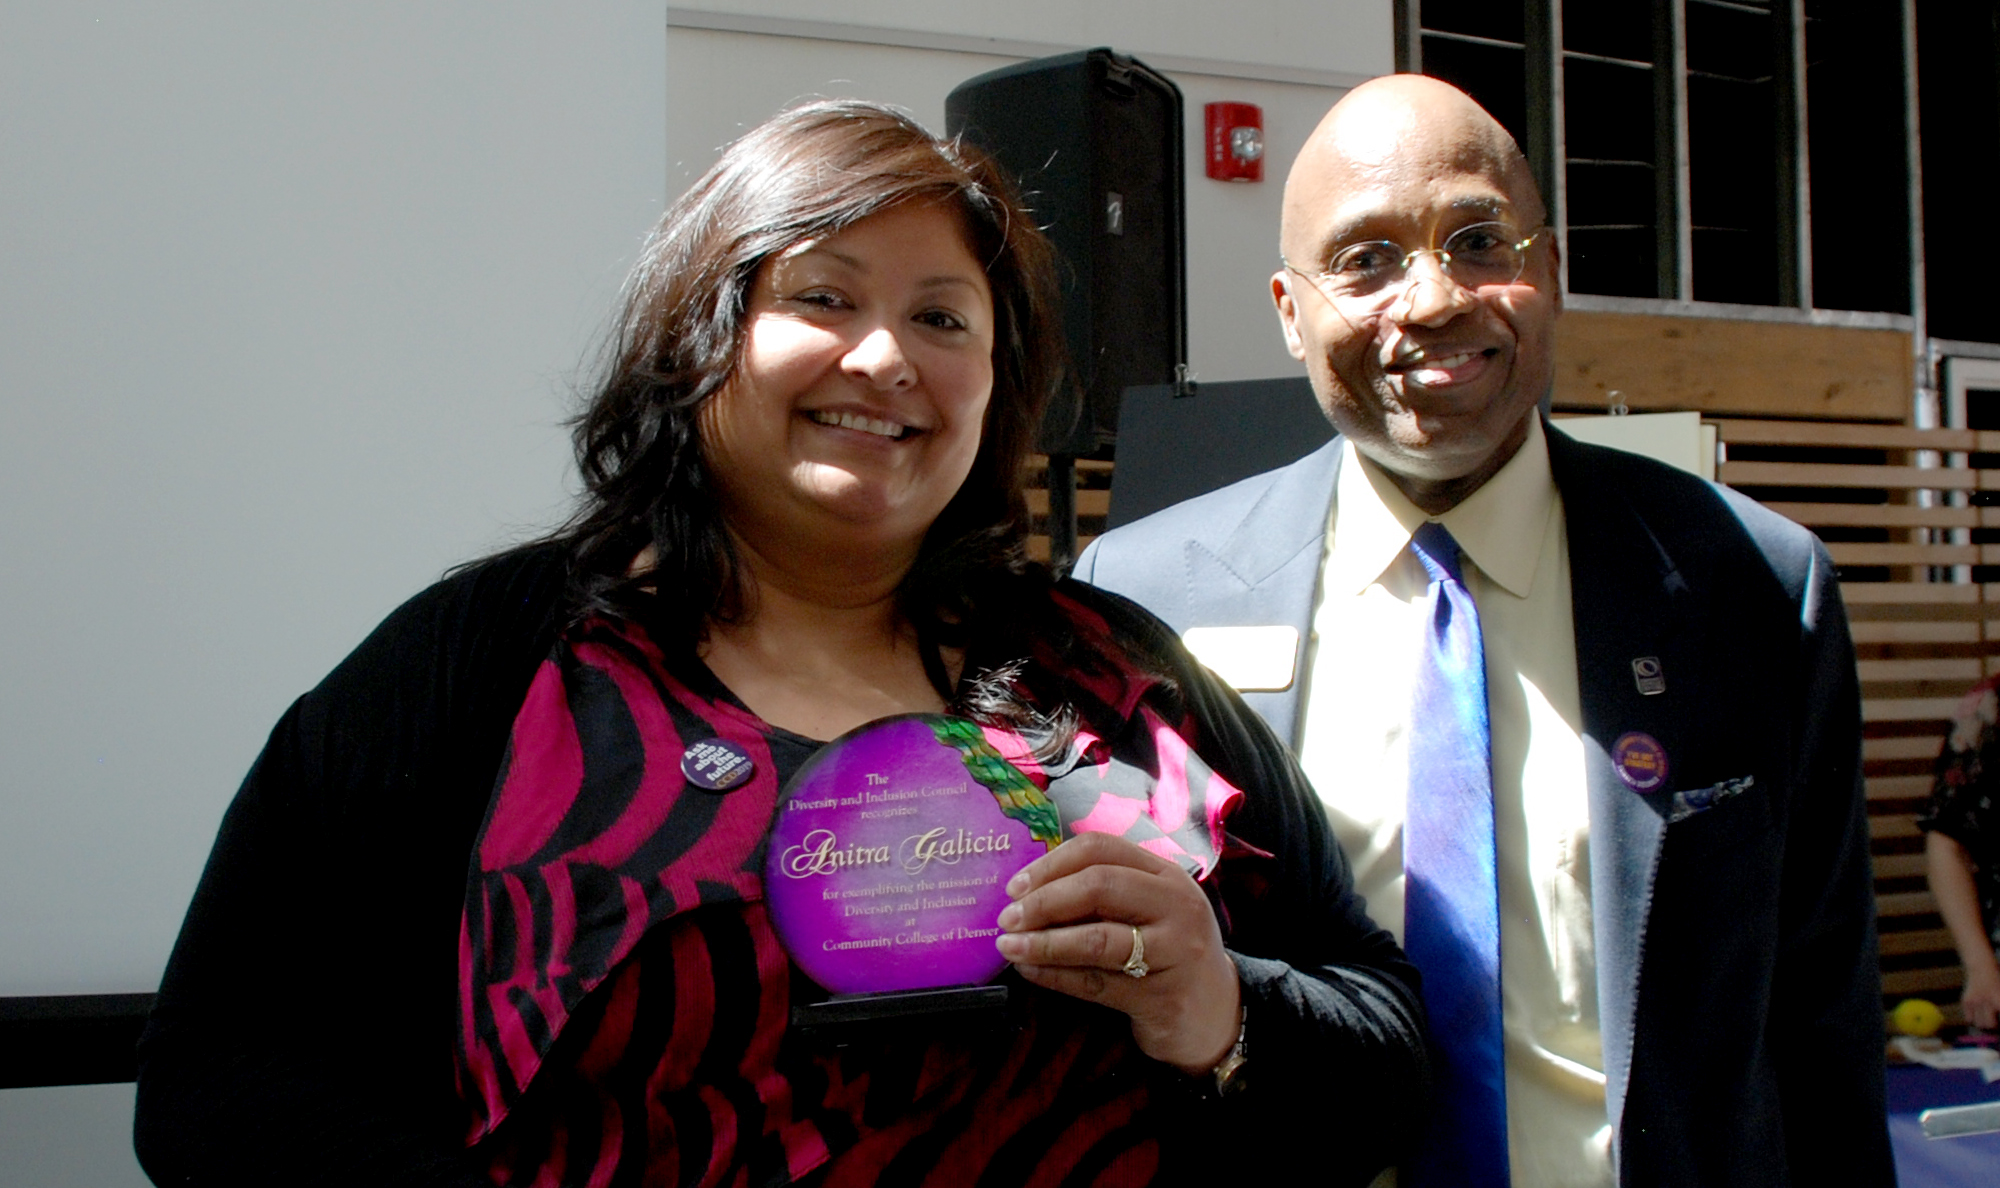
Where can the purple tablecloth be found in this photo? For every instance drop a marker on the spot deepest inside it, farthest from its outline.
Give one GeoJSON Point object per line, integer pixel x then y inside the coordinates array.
{"type": "Point", "coordinates": [1969, 1161]}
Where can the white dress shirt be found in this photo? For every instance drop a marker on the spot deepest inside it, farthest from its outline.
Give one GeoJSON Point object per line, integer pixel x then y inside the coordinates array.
{"type": "Point", "coordinates": [1361, 664]}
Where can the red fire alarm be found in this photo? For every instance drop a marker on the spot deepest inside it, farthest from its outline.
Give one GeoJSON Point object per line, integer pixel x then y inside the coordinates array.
{"type": "Point", "coordinates": [1235, 142]}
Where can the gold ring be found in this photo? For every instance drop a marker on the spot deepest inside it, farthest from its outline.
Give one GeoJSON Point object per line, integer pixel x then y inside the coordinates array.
{"type": "Point", "coordinates": [1135, 965]}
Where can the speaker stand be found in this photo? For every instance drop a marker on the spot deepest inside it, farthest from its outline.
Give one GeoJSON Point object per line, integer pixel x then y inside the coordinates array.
{"type": "Point", "coordinates": [1062, 512]}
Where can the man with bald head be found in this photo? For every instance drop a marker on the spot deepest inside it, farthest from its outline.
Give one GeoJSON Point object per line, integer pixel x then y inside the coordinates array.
{"type": "Point", "coordinates": [1587, 726]}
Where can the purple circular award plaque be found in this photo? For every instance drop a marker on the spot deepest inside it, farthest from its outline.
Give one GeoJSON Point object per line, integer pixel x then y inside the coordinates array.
{"type": "Point", "coordinates": [890, 854]}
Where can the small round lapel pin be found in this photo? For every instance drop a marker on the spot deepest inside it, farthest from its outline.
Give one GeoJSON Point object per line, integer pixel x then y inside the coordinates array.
{"type": "Point", "coordinates": [1640, 761]}
{"type": "Point", "coordinates": [717, 765]}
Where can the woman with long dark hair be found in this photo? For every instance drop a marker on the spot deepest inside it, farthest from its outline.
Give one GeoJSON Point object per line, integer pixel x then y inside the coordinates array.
{"type": "Point", "coordinates": [475, 918]}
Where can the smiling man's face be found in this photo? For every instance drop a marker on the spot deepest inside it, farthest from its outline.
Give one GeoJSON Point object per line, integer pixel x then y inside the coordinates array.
{"type": "Point", "coordinates": [1436, 382]}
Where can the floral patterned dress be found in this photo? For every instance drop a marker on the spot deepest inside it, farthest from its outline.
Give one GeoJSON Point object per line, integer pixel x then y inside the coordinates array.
{"type": "Point", "coordinates": [1962, 796]}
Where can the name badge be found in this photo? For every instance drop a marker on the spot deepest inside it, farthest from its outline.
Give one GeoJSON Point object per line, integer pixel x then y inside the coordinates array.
{"type": "Point", "coordinates": [1248, 659]}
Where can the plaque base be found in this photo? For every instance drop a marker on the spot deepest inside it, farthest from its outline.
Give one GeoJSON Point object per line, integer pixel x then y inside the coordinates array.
{"type": "Point", "coordinates": [847, 1018]}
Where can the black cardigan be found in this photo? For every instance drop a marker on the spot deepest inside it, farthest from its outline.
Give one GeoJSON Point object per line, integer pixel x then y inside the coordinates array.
{"type": "Point", "coordinates": [302, 1032]}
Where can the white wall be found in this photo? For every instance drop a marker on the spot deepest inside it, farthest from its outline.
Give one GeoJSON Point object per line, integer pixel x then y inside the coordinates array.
{"type": "Point", "coordinates": [732, 64]}
{"type": "Point", "coordinates": [1232, 231]}
{"type": "Point", "coordinates": [292, 301]}
{"type": "Point", "coordinates": [292, 298]}
{"type": "Point", "coordinates": [1342, 36]}
{"type": "Point", "coordinates": [75, 1136]}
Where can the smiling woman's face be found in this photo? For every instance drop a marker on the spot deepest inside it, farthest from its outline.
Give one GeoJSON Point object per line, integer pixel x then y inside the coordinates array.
{"type": "Point", "coordinates": [859, 397]}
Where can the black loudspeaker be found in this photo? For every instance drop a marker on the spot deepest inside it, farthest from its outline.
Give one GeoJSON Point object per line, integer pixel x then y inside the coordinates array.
{"type": "Point", "coordinates": [1094, 138]}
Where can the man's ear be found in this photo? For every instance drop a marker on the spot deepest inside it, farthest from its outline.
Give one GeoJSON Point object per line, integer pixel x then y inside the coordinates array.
{"type": "Point", "coordinates": [1288, 313]}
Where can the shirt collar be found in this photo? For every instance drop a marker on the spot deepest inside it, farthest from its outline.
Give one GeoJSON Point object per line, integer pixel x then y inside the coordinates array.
{"type": "Point", "coordinates": [1501, 526]}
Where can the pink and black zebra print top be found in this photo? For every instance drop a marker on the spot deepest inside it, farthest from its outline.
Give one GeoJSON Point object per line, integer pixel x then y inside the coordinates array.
{"type": "Point", "coordinates": [305, 1028]}
{"type": "Point", "coordinates": [623, 998]}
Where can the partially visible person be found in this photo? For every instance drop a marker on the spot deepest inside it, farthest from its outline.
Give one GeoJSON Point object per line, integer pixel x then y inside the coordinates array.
{"type": "Point", "coordinates": [1623, 698]}
{"type": "Point", "coordinates": [1962, 847]}
{"type": "Point", "coordinates": [472, 919]}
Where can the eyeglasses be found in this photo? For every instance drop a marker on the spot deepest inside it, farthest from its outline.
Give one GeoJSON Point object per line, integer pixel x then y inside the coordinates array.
{"type": "Point", "coordinates": [1372, 273]}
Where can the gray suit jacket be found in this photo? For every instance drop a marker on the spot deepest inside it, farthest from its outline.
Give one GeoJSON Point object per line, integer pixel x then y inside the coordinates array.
{"type": "Point", "coordinates": [1735, 927]}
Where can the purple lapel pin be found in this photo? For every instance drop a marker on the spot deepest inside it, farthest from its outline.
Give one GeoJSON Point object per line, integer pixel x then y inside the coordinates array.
{"type": "Point", "coordinates": [1640, 761]}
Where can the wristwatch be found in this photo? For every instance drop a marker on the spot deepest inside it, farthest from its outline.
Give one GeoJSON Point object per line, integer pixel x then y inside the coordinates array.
{"type": "Point", "coordinates": [1232, 1074]}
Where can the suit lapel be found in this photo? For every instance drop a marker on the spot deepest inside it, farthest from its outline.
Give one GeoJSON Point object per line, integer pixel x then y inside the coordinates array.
{"type": "Point", "coordinates": [1630, 602]}
{"type": "Point", "coordinates": [1264, 570]}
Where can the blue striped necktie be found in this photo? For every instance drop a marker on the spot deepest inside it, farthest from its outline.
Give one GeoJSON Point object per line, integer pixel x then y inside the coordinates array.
{"type": "Point", "coordinates": [1451, 913]}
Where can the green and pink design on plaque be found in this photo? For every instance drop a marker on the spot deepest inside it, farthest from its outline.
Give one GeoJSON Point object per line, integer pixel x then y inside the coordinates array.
{"type": "Point", "coordinates": [890, 854]}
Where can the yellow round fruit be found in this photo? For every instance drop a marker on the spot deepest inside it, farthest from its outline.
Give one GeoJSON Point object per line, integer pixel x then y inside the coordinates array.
{"type": "Point", "coordinates": [1917, 1016]}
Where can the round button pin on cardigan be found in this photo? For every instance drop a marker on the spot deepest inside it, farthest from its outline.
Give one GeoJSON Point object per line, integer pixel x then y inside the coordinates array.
{"type": "Point", "coordinates": [1640, 761]}
{"type": "Point", "coordinates": [717, 765]}
{"type": "Point", "coordinates": [888, 859]}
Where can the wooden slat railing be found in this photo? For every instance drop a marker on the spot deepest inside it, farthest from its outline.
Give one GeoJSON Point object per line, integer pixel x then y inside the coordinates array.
{"type": "Point", "coordinates": [1921, 639]}
{"type": "Point", "coordinates": [1852, 436]}
{"type": "Point", "coordinates": [1807, 474]}
{"type": "Point", "coordinates": [1093, 502]}
{"type": "Point", "coordinates": [1877, 515]}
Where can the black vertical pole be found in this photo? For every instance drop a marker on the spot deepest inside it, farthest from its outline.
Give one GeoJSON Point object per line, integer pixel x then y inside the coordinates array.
{"type": "Point", "coordinates": [1408, 17]}
{"type": "Point", "coordinates": [1062, 511]}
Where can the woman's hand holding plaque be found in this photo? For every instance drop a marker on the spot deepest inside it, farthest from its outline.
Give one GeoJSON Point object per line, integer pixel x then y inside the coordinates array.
{"type": "Point", "coordinates": [1072, 927]}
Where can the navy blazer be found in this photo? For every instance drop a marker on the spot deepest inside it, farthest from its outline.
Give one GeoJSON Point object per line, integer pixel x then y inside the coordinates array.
{"type": "Point", "coordinates": [1734, 912]}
